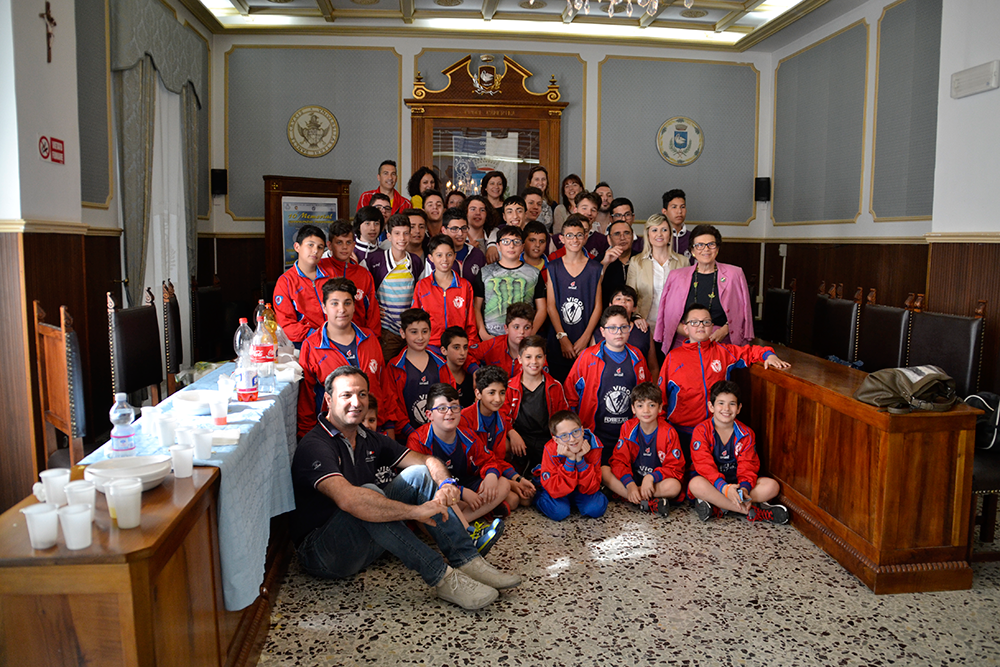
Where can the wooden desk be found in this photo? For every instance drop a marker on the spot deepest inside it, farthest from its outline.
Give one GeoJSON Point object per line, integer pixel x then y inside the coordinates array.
{"type": "Point", "coordinates": [146, 596]}
{"type": "Point", "coordinates": [886, 495]}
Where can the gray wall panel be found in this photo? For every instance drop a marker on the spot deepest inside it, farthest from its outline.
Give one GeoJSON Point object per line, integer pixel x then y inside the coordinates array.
{"type": "Point", "coordinates": [819, 130]}
{"type": "Point", "coordinates": [906, 120]}
{"type": "Point", "coordinates": [204, 153]}
{"type": "Point", "coordinates": [638, 96]}
{"type": "Point", "coordinates": [92, 101]}
{"type": "Point", "coordinates": [568, 71]}
{"type": "Point", "coordinates": [267, 85]}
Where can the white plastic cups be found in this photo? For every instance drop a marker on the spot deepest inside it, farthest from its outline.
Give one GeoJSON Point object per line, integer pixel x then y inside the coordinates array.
{"type": "Point", "coordinates": [125, 495]}
{"type": "Point", "coordinates": [81, 492]}
{"type": "Point", "coordinates": [43, 525]}
{"type": "Point", "coordinates": [184, 435]}
{"type": "Point", "coordinates": [183, 459]}
{"type": "Point", "coordinates": [150, 414]}
{"type": "Point", "coordinates": [76, 528]}
{"type": "Point", "coordinates": [202, 444]}
{"type": "Point", "coordinates": [219, 407]}
{"type": "Point", "coordinates": [165, 426]}
{"type": "Point", "coordinates": [54, 484]}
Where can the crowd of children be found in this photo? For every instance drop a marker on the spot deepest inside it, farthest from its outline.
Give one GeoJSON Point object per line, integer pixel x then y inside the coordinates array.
{"type": "Point", "coordinates": [493, 354]}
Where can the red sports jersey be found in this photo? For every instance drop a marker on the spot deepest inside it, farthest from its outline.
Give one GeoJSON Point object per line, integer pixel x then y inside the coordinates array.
{"type": "Point", "coordinates": [668, 452]}
{"type": "Point", "coordinates": [366, 310]}
{"type": "Point", "coordinates": [587, 370]}
{"type": "Point", "coordinates": [706, 457]}
{"type": "Point", "coordinates": [298, 302]}
{"type": "Point", "coordinates": [399, 202]}
{"type": "Point", "coordinates": [561, 477]}
{"type": "Point", "coordinates": [474, 422]}
{"type": "Point", "coordinates": [555, 397]}
{"type": "Point", "coordinates": [469, 460]}
{"type": "Point", "coordinates": [448, 306]}
{"type": "Point", "coordinates": [494, 352]}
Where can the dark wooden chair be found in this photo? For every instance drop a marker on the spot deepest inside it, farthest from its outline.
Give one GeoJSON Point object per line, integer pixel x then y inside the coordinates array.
{"type": "Point", "coordinates": [60, 384]}
{"type": "Point", "coordinates": [134, 335]}
{"type": "Point", "coordinates": [207, 322]}
{"type": "Point", "coordinates": [172, 335]}
{"type": "Point", "coordinates": [835, 324]}
{"type": "Point", "coordinates": [779, 311]}
{"type": "Point", "coordinates": [952, 342]}
{"type": "Point", "coordinates": [882, 335]}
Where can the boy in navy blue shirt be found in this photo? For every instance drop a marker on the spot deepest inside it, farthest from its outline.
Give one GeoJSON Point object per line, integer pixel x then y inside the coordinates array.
{"type": "Point", "coordinates": [413, 371]}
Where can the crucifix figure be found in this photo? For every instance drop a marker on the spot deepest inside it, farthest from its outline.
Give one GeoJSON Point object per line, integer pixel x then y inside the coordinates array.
{"type": "Point", "coordinates": [50, 23]}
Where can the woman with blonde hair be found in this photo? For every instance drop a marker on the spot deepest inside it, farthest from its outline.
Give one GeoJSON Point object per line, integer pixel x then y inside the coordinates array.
{"type": "Point", "coordinates": [648, 271]}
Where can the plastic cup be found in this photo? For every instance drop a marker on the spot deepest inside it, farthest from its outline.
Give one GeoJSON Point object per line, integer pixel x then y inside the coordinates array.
{"type": "Point", "coordinates": [54, 483]}
{"type": "Point", "coordinates": [126, 495]}
{"type": "Point", "coordinates": [150, 414]}
{"type": "Point", "coordinates": [81, 492]}
{"type": "Point", "coordinates": [43, 525]}
{"type": "Point", "coordinates": [183, 458]}
{"type": "Point", "coordinates": [184, 435]}
{"type": "Point", "coordinates": [165, 427]}
{"type": "Point", "coordinates": [76, 528]}
{"type": "Point", "coordinates": [202, 443]}
{"type": "Point", "coordinates": [219, 408]}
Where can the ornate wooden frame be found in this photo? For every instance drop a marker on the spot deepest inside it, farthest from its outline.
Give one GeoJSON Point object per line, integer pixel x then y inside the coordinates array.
{"type": "Point", "coordinates": [508, 104]}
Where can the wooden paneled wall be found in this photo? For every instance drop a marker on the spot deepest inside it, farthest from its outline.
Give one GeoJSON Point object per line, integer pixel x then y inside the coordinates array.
{"type": "Point", "coordinates": [240, 261]}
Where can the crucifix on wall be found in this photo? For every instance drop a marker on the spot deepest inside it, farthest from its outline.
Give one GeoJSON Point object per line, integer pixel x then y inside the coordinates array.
{"type": "Point", "coordinates": [50, 23]}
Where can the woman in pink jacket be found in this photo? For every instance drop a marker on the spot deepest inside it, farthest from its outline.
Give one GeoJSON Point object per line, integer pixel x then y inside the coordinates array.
{"type": "Point", "coordinates": [721, 288]}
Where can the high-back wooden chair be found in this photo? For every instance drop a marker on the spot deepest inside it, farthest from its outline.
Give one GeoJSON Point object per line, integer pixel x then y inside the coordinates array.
{"type": "Point", "coordinates": [835, 324]}
{"type": "Point", "coordinates": [883, 334]}
{"type": "Point", "coordinates": [952, 342]}
{"type": "Point", "coordinates": [59, 380]}
{"type": "Point", "coordinates": [779, 311]}
{"type": "Point", "coordinates": [172, 335]}
{"type": "Point", "coordinates": [134, 337]}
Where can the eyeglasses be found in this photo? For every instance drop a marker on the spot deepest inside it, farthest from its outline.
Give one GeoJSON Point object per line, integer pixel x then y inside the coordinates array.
{"type": "Point", "coordinates": [446, 409]}
{"type": "Point", "coordinates": [509, 241]}
{"type": "Point", "coordinates": [624, 233]}
{"type": "Point", "coordinates": [703, 246]}
{"type": "Point", "coordinates": [619, 329]}
{"type": "Point", "coordinates": [699, 323]}
{"type": "Point", "coordinates": [569, 437]}
{"type": "Point", "coordinates": [622, 216]}
{"type": "Point", "coordinates": [458, 229]}
{"type": "Point", "coordinates": [383, 207]}
{"type": "Point", "coordinates": [574, 237]}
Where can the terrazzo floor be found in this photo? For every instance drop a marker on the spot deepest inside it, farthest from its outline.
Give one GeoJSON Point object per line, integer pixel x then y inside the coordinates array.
{"type": "Point", "coordinates": [635, 589]}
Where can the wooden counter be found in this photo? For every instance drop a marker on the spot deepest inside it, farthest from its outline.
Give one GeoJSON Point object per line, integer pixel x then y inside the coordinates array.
{"type": "Point", "coordinates": [147, 596]}
{"type": "Point", "coordinates": [888, 496]}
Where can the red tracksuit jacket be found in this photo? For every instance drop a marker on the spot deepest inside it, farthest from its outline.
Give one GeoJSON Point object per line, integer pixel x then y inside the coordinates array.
{"type": "Point", "coordinates": [319, 357]}
{"type": "Point", "coordinates": [561, 477]}
{"type": "Point", "coordinates": [587, 370]}
{"type": "Point", "coordinates": [298, 302]}
{"type": "Point", "coordinates": [478, 461]}
{"type": "Point", "coordinates": [668, 451]}
{"type": "Point", "coordinates": [555, 397]}
{"type": "Point", "coordinates": [448, 306]}
{"type": "Point", "coordinates": [395, 376]}
{"type": "Point", "coordinates": [494, 353]}
{"type": "Point", "coordinates": [367, 313]}
{"type": "Point", "coordinates": [705, 459]}
{"type": "Point", "coordinates": [472, 421]}
{"type": "Point", "coordinates": [689, 371]}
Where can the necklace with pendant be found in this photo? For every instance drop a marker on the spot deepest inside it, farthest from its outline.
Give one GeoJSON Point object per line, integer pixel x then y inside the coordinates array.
{"type": "Point", "coordinates": [711, 295]}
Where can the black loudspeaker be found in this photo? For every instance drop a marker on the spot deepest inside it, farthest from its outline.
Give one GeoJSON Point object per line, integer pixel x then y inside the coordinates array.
{"type": "Point", "coordinates": [761, 189]}
{"type": "Point", "coordinates": [220, 182]}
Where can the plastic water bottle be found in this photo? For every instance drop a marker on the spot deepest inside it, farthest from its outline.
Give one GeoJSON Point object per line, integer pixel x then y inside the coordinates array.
{"type": "Point", "coordinates": [262, 352]}
{"type": "Point", "coordinates": [243, 338]}
{"type": "Point", "coordinates": [122, 433]}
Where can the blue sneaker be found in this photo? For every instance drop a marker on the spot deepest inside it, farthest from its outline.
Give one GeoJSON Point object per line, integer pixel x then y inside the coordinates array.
{"type": "Point", "coordinates": [485, 534]}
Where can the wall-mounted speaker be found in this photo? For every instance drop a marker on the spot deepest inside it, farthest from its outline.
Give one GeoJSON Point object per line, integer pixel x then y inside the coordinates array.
{"type": "Point", "coordinates": [220, 182]}
{"type": "Point", "coordinates": [762, 189]}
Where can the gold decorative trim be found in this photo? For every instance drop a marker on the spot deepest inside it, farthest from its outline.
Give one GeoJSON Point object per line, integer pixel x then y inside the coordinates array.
{"type": "Point", "coordinates": [962, 237]}
{"type": "Point", "coordinates": [170, 7]}
{"type": "Point", "coordinates": [232, 49]}
{"type": "Point", "coordinates": [111, 157]}
{"type": "Point", "coordinates": [204, 16]}
{"type": "Point", "coordinates": [756, 138]}
{"type": "Point", "coordinates": [864, 118]}
{"type": "Point", "coordinates": [778, 24]}
{"type": "Point", "coordinates": [104, 231]}
{"type": "Point", "coordinates": [857, 240]}
{"type": "Point", "coordinates": [42, 227]}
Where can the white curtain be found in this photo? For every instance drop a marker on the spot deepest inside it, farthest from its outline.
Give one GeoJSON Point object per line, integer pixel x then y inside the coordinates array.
{"type": "Point", "coordinates": [166, 256]}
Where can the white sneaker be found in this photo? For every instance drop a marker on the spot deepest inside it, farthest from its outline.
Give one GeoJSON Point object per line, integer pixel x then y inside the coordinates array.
{"type": "Point", "coordinates": [467, 593]}
{"type": "Point", "coordinates": [484, 573]}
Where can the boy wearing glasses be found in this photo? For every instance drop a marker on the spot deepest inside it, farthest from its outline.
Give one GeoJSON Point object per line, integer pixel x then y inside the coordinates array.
{"type": "Point", "coordinates": [471, 467]}
{"type": "Point", "coordinates": [506, 282]}
{"type": "Point", "coordinates": [571, 470]}
{"type": "Point", "coordinates": [689, 370]}
{"type": "Point", "coordinates": [413, 372]}
{"type": "Point", "coordinates": [574, 297]}
{"type": "Point", "coordinates": [471, 259]}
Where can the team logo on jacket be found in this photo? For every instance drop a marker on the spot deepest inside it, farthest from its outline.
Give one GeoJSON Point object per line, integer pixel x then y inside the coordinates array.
{"type": "Point", "coordinates": [359, 296]}
{"type": "Point", "coordinates": [572, 311]}
{"type": "Point", "coordinates": [716, 365]}
{"type": "Point", "coordinates": [676, 453]}
{"type": "Point", "coordinates": [278, 299]}
{"type": "Point", "coordinates": [572, 284]}
{"type": "Point", "coordinates": [616, 402]}
{"type": "Point", "coordinates": [474, 269]}
{"type": "Point", "coordinates": [641, 374]}
{"type": "Point", "coordinates": [418, 410]}
{"type": "Point", "coordinates": [696, 446]}
{"type": "Point", "coordinates": [662, 456]}
{"type": "Point", "coordinates": [373, 366]}
{"type": "Point", "coordinates": [458, 301]}
{"type": "Point", "coordinates": [592, 252]}
{"type": "Point", "coordinates": [618, 372]}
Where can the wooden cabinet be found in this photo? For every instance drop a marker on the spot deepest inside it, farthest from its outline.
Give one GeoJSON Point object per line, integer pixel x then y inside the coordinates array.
{"type": "Point", "coordinates": [886, 495]}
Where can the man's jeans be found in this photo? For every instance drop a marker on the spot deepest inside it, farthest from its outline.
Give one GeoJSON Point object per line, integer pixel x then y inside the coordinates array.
{"type": "Point", "coordinates": [345, 545]}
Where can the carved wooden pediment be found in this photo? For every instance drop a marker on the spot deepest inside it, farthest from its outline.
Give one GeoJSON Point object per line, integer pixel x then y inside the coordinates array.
{"type": "Point", "coordinates": [478, 80]}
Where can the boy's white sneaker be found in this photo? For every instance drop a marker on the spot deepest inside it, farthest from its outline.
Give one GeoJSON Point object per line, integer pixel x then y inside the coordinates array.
{"type": "Point", "coordinates": [484, 573]}
{"type": "Point", "coordinates": [467, 593]}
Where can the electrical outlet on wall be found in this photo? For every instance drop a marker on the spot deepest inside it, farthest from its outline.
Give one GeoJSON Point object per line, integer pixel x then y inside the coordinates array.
{"type": "Point", "coordinates": [782, 250]}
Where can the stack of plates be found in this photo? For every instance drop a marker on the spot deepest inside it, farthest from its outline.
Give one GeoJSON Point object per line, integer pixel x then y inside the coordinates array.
{"type": "Point", "coordinates": [193, 402]}
{"type": "Point", "coordinates": [151, 470]}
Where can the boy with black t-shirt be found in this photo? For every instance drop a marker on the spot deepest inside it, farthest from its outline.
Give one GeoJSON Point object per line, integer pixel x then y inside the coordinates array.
{"type": "Point", "coordinates": [506, 282]}
{"type": "Point", "coordinates": [412, 372]}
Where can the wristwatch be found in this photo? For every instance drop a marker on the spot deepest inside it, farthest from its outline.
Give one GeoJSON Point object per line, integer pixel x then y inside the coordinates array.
{"type": "Point", "coordinates": [561, 334]}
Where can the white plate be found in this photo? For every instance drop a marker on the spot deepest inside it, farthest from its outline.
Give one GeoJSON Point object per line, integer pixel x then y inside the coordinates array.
{"type": "Point", "coordinates": [152, 470]}
{"type": "Point", "coordinates": [193, 402]}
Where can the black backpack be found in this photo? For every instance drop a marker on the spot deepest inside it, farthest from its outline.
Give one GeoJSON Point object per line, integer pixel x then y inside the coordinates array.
{"type": "Point", "coordinates": [986, 424]}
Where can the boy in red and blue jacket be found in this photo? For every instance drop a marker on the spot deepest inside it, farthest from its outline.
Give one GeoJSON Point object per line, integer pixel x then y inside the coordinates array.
{"type": "Point", "coordinates": [571, 470]}
{"type": "Point", "coordinates": [412, 373]}
{"type": "Point", "coordinates": [502, 350]}
{"type": "Point", "coordinates": [725, 459]}
{"type": "Point", "coordinates": [647, 464]}
{"type": "Point", "coordinates": [298, 303]}
{"type": "Point", "coordinates": [342, 263]}
{"type": "Point", "coordinates": [445, 295]}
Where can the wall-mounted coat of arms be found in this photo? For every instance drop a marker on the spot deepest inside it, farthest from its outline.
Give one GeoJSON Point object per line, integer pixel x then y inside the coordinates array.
{"type": "Point", "coordinates": [680, 141]}
{"type": "Point", "coordinates": [313, 131]}
{"type": "Point", "coordinates": [487, 80]}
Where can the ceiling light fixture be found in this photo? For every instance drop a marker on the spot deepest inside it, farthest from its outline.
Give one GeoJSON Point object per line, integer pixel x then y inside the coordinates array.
{"type": "Point", "coordinates": [651, 7]}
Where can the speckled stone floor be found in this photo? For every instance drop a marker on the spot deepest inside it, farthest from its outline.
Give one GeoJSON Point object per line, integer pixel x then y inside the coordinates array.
{"type": "Point", "coordinates": [634, 589]}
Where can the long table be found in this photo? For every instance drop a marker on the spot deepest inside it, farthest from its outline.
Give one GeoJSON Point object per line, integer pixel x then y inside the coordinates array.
{"type": "Point", "coordinates": [886, 495]}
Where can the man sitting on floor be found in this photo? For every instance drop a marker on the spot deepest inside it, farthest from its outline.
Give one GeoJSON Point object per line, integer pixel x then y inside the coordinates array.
{"type": "Point", "coordinates": [343, 522]}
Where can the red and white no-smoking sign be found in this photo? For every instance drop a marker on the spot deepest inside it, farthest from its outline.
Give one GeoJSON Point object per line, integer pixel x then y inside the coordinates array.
{"type": "Point", "coordinates": [51, 149]}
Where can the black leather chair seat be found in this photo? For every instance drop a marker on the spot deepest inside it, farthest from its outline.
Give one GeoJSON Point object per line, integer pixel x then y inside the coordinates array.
{"type": "Point", "coordinates": [950, 342]}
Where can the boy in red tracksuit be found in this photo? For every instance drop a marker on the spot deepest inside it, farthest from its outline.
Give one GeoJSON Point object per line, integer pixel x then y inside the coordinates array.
{"type": "Point", "coordinates": [532, 397]}
{"type": "Point", "coordinates": [444, 294]}
{"type": "Point", "coordinates": [485, 420]}
{"type": "Point", "coordinates": [725, 459]}
{"type": "Point", "coordinates": [412, 373]}
{"type": "Point", "coordinates": [298, 304]}
{"type": "Point", "coordinates": [459, 369]}
{"type": "Point", "coordinates": [571, 470]}
{"type": "Point", "coordinates": [340, 342]}
{"type": "Point", "coordinates": [647, 463]}
{"type": "Point", "coordinates": [691, 369]}
{"type": "Point", "coordinates": [502, 350]}
{"type": "Point", "coordinates": [342, 262]}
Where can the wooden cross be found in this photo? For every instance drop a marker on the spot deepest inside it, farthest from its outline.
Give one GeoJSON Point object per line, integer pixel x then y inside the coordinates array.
{"type": "Point", "coordinates": [50, 23]}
